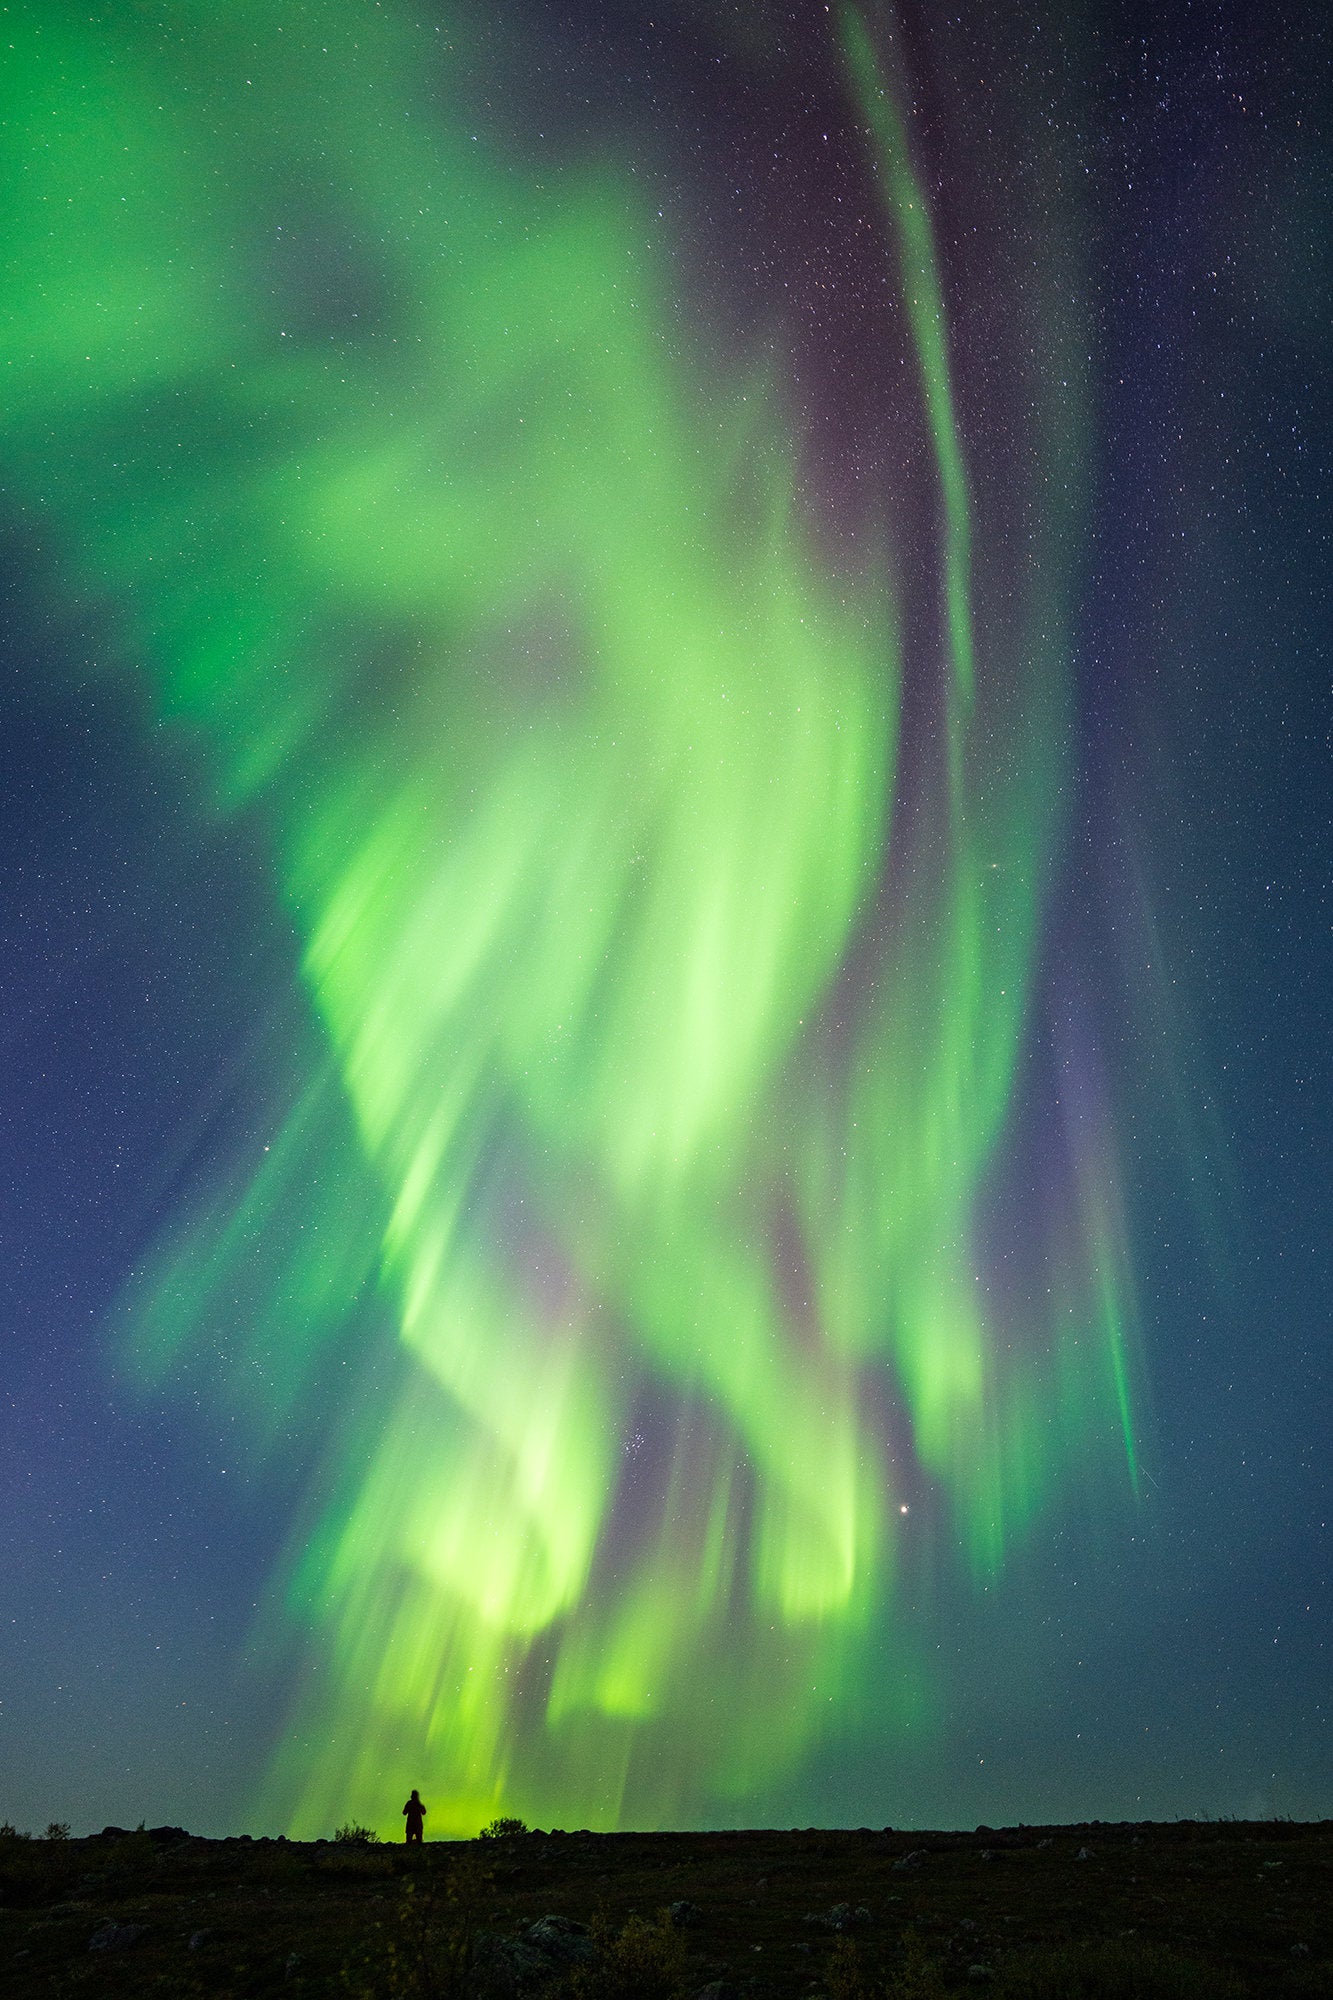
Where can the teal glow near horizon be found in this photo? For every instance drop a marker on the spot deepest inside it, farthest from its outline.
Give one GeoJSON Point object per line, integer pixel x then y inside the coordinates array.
{"type": "Point", "coordinates": [645, 1164]}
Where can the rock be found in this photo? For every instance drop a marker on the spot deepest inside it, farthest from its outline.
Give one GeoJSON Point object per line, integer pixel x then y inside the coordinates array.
{"type": "Point", "coordinates": [116, 1937]}
{"type": "Point", "coordinates": [842, 1917]}
{"type": "Point", "coordinates": [1084, 1854]}
{"type": "Point", "coordinates": [1300, 1951]}
{"type": "Point", "coordinates": [717, 1989]}
{"type": "Point", "coordinates": [165, 1833]}
{"type": "Point", "coordinates": [198, 1938]}
{"type": "Point", "coordinates": [684, 1914]}
{"type": "Point", "coordinates": [980, 1972]}
{"type": "Point", "coordinates": [912, 1859]}
{"type": "Point", "coordinates": [561, 1939]}
{"type": "Point", "coordinates": [507, 1967]}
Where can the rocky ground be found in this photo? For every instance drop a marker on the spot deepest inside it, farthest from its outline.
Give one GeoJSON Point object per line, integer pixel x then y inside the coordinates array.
{"type": "Point", "coordinates": [1215, 1911]}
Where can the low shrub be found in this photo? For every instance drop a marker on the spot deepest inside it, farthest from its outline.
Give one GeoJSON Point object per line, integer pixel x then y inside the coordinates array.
{"type": "Point", "coordinates": [644, 1961]}
{"type": "Point", "coordinates": [844, 1975]}
{"type": "Point", "coordinates": [916, 1976]}
{"type": "Point", "coordinates": [428, 1953]}
{"type": "Point", "coordinates": [35, 1871]}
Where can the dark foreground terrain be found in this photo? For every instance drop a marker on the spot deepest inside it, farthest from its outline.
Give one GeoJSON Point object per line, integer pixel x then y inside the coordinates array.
{"type": "Point", "coordinates": [1214, 1911]}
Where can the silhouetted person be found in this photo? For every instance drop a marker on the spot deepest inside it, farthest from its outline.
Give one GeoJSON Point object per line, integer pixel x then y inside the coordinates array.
{"type": "Point", "coordinates": [414, 1813]}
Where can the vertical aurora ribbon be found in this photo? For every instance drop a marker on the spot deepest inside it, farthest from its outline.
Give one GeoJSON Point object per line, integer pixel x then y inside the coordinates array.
{"type": "Point", "coordinates": [624, 1256]}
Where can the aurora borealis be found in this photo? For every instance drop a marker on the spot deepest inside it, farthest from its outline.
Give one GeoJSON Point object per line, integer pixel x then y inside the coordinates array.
{"type": "Point", "coordinates": [596, 536]}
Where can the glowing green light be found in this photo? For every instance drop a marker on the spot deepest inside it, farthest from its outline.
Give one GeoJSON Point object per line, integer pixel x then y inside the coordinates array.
{"type": "Point", "coordinates": [576, 761]}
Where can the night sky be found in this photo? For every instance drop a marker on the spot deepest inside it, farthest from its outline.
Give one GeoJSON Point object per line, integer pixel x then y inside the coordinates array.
{"type": "Point", "coordinates": [665, 913]}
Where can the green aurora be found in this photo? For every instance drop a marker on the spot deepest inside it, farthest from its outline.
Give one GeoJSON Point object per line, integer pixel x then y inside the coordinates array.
{"type": "Point", "coordinates": [623, 1244]}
